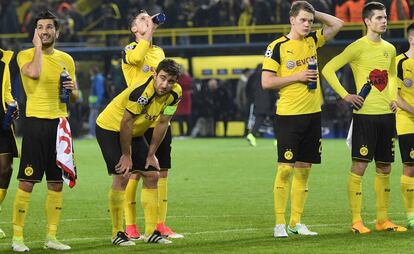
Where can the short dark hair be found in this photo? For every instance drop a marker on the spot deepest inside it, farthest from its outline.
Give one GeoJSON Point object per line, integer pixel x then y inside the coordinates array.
{"type": "Point", "coordinates": [410, 28]}
{"type": "Point", "coordinates": [132, 19]}
{"type": "Point", "coordinates": [369, 9]}
{"type": "Point", "coordinates": [169, 66]}
{"type": "Point", "coordinates": [47, 15]}
{"type": "Point", "coordinates": [301, 5]}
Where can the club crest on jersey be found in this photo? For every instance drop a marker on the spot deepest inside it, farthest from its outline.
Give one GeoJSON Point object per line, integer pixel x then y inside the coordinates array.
{"type": "Point", "coordinates": [385, 54]}
{"type": "Point", "coordinates": [290, 64]}
{"type": "Point", "coordinates": [363, 150]}
{"type": "Point", "coordinates": [288, 154]}
{"type": "Point", "coordinates": [28, 171]}
{"type": "Point", "coordinates": [146, 68]}
{"type": "Point", "coordinates": [408, 82]}
{"type": "Point", "coordinates": [412, 154]}
{"type": "Point", "coordinates": [269, 53]}
{"type": "Point", "coordinates": [142, 101]}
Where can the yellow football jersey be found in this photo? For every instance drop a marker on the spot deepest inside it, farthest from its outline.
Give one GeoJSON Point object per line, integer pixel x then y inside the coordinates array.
{"type": "Point", "coordinates": [6, 96]}
{"type": "Point", "coordinates": [368, 60]}
{"type": "Point", "coordinates": [141, 101]}
{"type": "Point", "coordinates": [405, 78]}
{"type": "Point", "coordinates": [43, 94]}
{"type": "Point", "coordinates": [139, 61]}
{"type": "Point", "coordinates": [286, 57]}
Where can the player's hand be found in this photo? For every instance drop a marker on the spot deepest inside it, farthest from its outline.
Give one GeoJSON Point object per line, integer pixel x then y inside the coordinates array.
{"type": "Point", "coordinates": [356, 100]}
{"type": "Point", "coordinates": [15, 114]}
{"type": "Point", "coordinates": [37, 42]}
{"type": "Point", "coordinates": [307, 75]}
{"type": "Point", "coordinates": [124, 165]}
{"type": "Point", "coordinates": [152, 161]}
{"type": "Point", "coordinates": [393, 106]}
{"type": "Point", "coordinates": [69, 84]}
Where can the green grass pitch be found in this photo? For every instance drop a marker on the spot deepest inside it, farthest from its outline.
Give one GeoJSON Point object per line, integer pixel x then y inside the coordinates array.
{"type": "Point", "coordinates": [220, 198]}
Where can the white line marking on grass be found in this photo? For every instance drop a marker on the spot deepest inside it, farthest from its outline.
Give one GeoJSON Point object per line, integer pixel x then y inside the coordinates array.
{"type": "Point", "coordinates": [226, 231]}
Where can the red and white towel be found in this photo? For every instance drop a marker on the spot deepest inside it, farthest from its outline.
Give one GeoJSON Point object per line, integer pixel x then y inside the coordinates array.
{"type": "Point", "coordinates": [64, 153]}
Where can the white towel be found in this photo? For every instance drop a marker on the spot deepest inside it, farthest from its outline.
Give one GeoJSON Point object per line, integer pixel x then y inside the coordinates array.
{"type": "Point", "coordinates": [349, 137]}
{"type": "Point", "coordinates": [64, 153]}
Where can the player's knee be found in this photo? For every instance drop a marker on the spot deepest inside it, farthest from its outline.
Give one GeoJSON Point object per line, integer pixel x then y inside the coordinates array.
{"type": "Point", "coordinates": [151, 179]}
{"type": "Point", "coordinates": [408, 169]}
{"type": "Point", "coordinates": [26, 186]}
{"type": "Point", "coordinates": [383, 168]}
{"type": "Point", "coordinates": [5, 176]}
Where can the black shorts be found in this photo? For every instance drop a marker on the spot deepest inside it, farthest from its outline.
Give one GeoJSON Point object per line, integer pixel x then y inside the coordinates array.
{"type": "Point", "coordinates": [8, 143]}
{"type": "Point", "coordinates": [299, 138]}
{"type": "Point", "coordinates": [39, 151]}
{"type": "Point", "coordinates": [406, 143]}
{"type": "Point", "coordinates": [164, 150]}
{"type": "Point", "coordinates": [111, 150]}
{"type": "Point", "coordinates": [373, 137]}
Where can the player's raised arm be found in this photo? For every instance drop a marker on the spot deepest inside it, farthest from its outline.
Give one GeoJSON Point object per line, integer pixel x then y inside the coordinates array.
{"type": "Point", "coordinates": [332, 24]}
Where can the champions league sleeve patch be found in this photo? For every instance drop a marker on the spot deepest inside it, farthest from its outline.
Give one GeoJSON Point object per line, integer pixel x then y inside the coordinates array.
{"type": "Point", "coordinates": [142, 101]}
{"type": "Point", "coordinates": [268, 53]}
{"type": "Point", "coordinates": [129, 47]}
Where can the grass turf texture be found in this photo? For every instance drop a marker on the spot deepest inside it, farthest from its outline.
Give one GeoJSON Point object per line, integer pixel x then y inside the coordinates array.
{"type": "Point", "coordinates": [220, 198]}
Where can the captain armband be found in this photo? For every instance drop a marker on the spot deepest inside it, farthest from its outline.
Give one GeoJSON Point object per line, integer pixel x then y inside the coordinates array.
{"type": "Point", "coordinates": [170, 110]}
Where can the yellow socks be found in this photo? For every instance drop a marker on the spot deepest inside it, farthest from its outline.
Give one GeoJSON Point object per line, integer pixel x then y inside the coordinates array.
{"type": "Point", "coordinates": [382, 192]}
{"type": "Point", "coordinates": [355, 196]}
{"type": "Point", "coordinates": [53, 211]}
{"type": "Point", "coordinates": [407, 191]}
{"type": "Point", "coordinates": [116, 208]}
{"type": "Point", "coordinates": [299, 194]}
{"type": "Point", "coordinates": [281, 192]}
{"type": "Point", "coordinates": [149, 201]}
{"type": "Point", "coordinates": [20, 209]}
{"type": "Point", "coordinates": [162, 200]}
{"type": "Point", "coordinates": [130, 202]}
{"type": "Point", "coordinates": [3, 193]}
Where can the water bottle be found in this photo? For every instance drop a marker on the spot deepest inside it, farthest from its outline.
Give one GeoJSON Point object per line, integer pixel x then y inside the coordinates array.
{"type": "Point", "coordinates": [312, 65]}
{"type": "Point", "coordinates": [366, 88]}
{"type": "Point", "coordinates": [63, 92]}
{"type": "Point", "coordinates": [159, 19]}
{"type": "Point", "coordinates": [8, 117]}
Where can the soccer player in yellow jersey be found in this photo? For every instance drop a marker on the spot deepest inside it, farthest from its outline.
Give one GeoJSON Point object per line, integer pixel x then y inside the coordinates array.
{"type": "Point", "coordinates": [373, 131]}
{"type": "Point", "coordinates": [405, 124]}
{"type": "Point", "coordinates": [40, 69]}
{"type": "Point", "coordinates": [140, 58]}
{"type": "Point", "coordinates": [120, 134]}
{"type": "Point", "coordinates": [8, 148]}
{"type": "Point", "coordinates": [298, 114]}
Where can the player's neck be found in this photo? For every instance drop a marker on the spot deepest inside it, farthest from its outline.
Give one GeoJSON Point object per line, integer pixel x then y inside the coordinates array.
{"type": "Point", "coordinates": [373, 36]}
{"type": "Point", "coordinates": [294, 36]}
{"type": "Point", "coordinates": [138, 37]}
{"type": "Point", "coordinates": [410, 52]}
{"type": "Point", "coordinates": [49, 50]}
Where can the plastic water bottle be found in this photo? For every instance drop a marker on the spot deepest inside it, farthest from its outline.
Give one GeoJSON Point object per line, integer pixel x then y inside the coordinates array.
{"type": "Point", "coordinates": [366, 88]}
{"type": "Point", "coordinates": [8, 117]}
{"type": "Point", "coordinates": [63, 92]}
{"type": "Point", "coordinates": [159, 19]}
{"type": "Point", "coordinates": [312, 65]}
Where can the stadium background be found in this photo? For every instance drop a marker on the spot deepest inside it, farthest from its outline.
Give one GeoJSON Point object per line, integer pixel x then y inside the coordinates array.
{"type": "Point", "coordinates": [220, 189]}
{"type": "Point", "coordinates": [213, 39]}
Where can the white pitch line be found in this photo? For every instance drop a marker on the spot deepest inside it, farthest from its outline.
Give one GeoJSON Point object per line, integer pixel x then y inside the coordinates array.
{"type": "Point", "coordinates": [236, 230]}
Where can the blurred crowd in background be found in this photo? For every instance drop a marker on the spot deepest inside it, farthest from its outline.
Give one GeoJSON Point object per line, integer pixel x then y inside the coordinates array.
{"type": "Point", "coordinates": [206, 101]}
